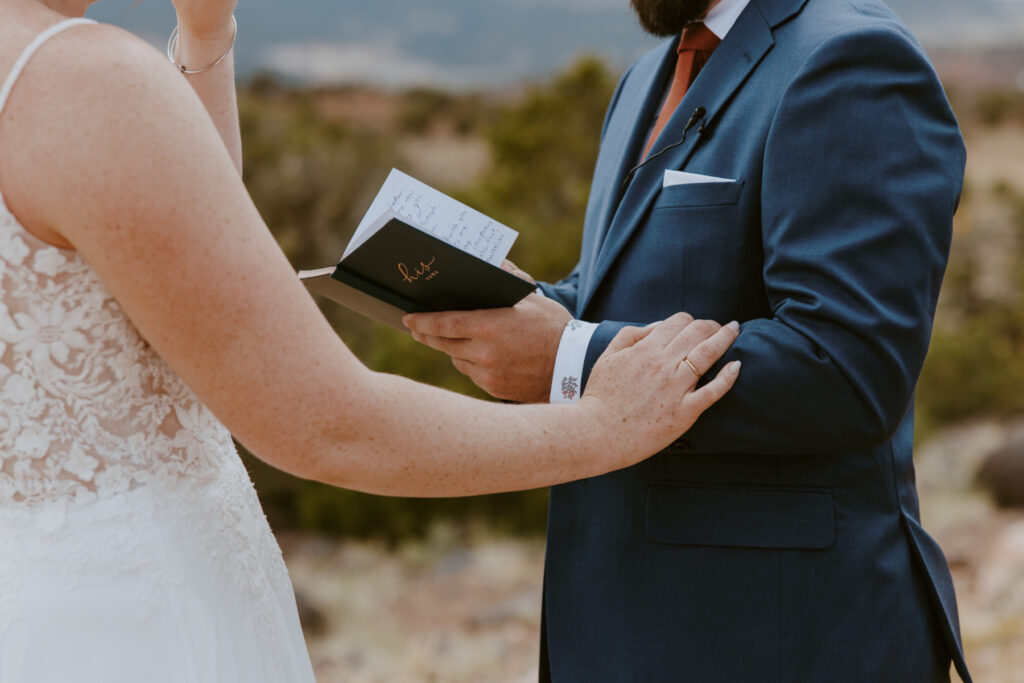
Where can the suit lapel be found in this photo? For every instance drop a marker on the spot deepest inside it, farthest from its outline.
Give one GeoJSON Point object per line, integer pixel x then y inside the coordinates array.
{"type": "Point", "coordinates": [777, 11]}
{"type": "Point", "coordinates": [743, 48]}
{"type": "Point", "coordinates": [627, 130]}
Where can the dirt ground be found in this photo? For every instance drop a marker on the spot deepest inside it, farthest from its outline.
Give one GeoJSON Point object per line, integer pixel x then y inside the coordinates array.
{"type": "Point", "coordinates": [440, 610]}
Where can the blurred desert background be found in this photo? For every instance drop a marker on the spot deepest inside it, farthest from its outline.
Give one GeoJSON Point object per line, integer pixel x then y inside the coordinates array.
{"type": "Point", "coordinates": [500, 104]}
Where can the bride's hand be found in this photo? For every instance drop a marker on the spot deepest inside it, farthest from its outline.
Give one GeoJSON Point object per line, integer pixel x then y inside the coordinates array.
{"type": "Point", "coordinates": [205, 20]}
{"type": "Point", "coordinates": [643, 391]}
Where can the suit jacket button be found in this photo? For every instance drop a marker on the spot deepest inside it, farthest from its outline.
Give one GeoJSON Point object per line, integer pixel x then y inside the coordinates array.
{"type": "Point", "coordinates": [680, 445]}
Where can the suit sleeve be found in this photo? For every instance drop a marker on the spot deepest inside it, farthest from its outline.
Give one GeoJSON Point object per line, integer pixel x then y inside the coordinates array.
{"type": "Point", "coordinates": [564, 291]}
{"type": "Point", "coordinates": [863, 168]}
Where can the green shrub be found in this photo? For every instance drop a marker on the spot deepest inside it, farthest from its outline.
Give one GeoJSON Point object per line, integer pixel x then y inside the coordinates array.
{"type": "Point", "coordinates": [998, 106]}
{"type": "Point", "coordinates": [975, 366]}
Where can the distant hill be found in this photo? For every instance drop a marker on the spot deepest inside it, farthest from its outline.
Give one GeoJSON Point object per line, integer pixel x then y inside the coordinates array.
{"type": "Point", "coordinates": [964, 23]}
{"type": "Point", "coordinates": [474, 43]}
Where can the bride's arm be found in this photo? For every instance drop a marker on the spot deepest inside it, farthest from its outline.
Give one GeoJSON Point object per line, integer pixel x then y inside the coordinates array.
{"type": "Point", "coordinates": [205, 32]}
{"type": "Point", "coordinates": [121, 159]}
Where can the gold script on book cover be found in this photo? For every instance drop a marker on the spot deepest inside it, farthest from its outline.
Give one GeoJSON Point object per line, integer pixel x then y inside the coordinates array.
{"type": "Point", "coordinates": [424, 270]}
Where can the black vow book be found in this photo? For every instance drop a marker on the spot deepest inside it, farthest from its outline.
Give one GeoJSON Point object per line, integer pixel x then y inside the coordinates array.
{"type": "Point", "coordinates": [420, 250]}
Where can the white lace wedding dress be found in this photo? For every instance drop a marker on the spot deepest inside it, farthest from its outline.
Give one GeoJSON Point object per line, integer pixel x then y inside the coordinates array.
{"type": "Point", "coordinates": [132, 546]}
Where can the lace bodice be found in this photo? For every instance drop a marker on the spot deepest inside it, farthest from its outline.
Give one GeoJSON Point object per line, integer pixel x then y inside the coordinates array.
{"type": "Point", "coordinates": [87, 408]}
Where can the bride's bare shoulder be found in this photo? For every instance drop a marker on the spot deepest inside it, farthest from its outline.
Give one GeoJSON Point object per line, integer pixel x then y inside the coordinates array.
{"type": "Point", "coordinates": [93, 99]}
{"type": "Point", "coordinates": [93, 60]}
{"type": "Point", "coordinates": [87, 84]}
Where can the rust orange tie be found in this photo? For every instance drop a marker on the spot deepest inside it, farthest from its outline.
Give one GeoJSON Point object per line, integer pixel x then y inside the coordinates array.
{"type": "Point", "coordinates": [695, 47]}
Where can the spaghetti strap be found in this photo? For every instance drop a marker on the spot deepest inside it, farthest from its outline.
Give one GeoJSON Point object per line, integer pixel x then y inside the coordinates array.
{"type": "Point", "coordinates": [30, 50]}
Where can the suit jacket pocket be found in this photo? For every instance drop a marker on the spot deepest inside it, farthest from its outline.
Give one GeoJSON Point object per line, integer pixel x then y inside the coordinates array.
{"type": "Point", "coordinates": [699, 194]}
{"type": "Point", "coordinates": [746, 517]}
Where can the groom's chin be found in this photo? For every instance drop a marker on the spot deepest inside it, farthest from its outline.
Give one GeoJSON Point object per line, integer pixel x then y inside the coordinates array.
{"type": "Point", "coordinates": [665, 18]}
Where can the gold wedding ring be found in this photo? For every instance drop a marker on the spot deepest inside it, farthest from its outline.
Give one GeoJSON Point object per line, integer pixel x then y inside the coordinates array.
{"type": "Point", "coordinates": [692, 367]}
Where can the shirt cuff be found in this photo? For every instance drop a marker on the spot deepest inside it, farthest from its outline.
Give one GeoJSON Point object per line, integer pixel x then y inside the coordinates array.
{"type": "Point", "coordinates": [572, 352]}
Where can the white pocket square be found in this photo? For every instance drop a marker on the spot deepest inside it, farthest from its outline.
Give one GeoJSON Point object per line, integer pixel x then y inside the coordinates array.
{"type": "Point", "coordinates": [683, 178]}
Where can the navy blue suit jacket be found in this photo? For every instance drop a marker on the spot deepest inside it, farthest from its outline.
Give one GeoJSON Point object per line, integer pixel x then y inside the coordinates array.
{"type": "Point", "coordinates": [779, 539]}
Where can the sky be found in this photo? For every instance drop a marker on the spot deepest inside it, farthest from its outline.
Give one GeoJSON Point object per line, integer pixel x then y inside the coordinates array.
{"type": "Point", "coordinates": [480, 43]}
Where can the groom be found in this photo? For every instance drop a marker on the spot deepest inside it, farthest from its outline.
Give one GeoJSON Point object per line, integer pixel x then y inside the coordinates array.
{"type": "Point", "coordinates": [799, 168]}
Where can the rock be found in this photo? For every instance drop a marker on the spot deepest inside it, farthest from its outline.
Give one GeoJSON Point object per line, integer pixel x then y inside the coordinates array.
{"type": "Point", "coordinates": [1002, 473]}
{"type": "Point", "coordinates": [1000, 580]}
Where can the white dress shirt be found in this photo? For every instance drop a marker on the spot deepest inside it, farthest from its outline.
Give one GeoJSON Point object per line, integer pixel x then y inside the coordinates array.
{"type": "Point", "coordinates": [572, 349]}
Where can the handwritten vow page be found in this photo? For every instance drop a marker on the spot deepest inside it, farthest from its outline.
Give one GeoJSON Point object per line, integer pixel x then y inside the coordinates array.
{"type": "Point", "coordinates": [417, 249]}
{"type": "Point", "coordinates": [437, 214]}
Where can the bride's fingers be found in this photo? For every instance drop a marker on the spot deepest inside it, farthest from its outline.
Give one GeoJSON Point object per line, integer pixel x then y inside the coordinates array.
{"type": "Point", "coordinates": [704, 352]}
{"type": "Point", "coordinates": [700, 400]}
{"type": "Point", "coordinates": [627, 337]}
{"type": "Point", "coordinates": [692, 335]}
{"type": "Point", "coordinates": [662, 333]}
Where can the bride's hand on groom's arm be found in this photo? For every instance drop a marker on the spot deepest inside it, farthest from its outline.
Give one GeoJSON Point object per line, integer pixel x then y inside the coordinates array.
{"type": "Point", "coordinates": [647, 378]}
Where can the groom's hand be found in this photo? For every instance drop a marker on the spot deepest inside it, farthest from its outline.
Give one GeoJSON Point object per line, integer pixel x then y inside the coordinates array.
{"type": "Point", "coordinates": [507, 352]}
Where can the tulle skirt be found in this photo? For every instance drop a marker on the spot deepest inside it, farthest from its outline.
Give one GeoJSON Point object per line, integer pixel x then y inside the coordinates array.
{"type": "Point", "coordinates": [164, 583]}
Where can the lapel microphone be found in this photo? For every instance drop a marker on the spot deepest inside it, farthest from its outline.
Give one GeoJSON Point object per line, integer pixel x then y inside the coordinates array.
{"type": "Point", "coordinates": [698, 115]}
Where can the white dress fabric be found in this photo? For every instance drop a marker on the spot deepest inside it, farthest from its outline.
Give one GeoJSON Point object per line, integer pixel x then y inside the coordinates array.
{"type": "Point", "coordinates": [132, 545]}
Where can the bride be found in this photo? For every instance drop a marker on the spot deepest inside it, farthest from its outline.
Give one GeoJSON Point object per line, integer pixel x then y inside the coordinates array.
{"type": "Point", "coordinates": [146, 313]}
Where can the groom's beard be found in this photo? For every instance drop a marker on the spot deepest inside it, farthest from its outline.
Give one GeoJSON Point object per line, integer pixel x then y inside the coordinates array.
{"type": "Point", "coordinates": [668, 17]}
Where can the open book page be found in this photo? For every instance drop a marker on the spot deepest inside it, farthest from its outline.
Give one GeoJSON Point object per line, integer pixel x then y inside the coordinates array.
{"type": "Point", "coordinates": [438, 214]}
